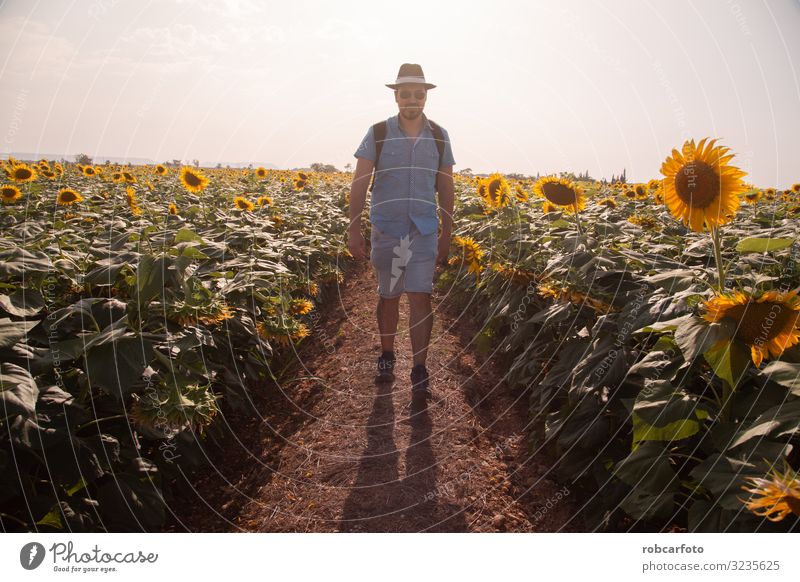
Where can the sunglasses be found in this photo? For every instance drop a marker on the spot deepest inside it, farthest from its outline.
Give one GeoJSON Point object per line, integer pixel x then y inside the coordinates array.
{"type": "Point", "coordinates": [419, 94]}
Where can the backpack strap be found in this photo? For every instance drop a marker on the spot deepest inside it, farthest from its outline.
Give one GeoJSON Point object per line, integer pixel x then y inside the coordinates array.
{"type": "Point", "coordinates": [438, 136]}
{"type": "Point", "coordinates": [379, 131]}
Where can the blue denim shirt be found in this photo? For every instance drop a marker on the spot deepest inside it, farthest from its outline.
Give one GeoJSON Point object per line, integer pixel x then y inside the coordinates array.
{"type": "Point", "coordinates": [405, 179]}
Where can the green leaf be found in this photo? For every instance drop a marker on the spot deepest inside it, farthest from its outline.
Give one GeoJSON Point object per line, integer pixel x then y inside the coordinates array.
{"type": "Point", "coordinates": [18, 391]}
{"type": "Point", "coordinates": [763, 245]}
{"type": "Point", "coordinates": [778, 421]}
{"type": "Point", "coordinates": [22, 302]}
{"type": "Point", "coordinates": [13, 331]}
{"type": "Point", "coordinates": [673, 431]}
{"type": "Point", "coordinates": [729, 361]}
{"type": "Point", "coordinates": [117, 366]}
{"type": "Point", "coordinates": [187, 235]}
{"type": "Point", "coordinates": [648, 472]}
{"type": "Point", "coordinates": [695, 336]}
{"type": "Point", "coordinates": [784, 373]}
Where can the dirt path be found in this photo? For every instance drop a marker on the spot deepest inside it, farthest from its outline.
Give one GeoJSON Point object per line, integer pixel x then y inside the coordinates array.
{"type": "Point", "coordinates": [338, 453]}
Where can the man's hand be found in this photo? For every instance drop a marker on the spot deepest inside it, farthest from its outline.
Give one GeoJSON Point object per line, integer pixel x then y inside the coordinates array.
{"type": "Point", "coordinates": [356, 244]}
{"type": "Point", "coordinates": [444, 248]}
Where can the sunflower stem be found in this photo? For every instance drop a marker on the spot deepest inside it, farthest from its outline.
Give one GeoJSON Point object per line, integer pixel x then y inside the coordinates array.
{"type": "Point", "coordinates": [727, 397]}
{"type": "Point", "coordinates": [578, 221]}
{"type": "Point", "coordinates": [715, 238]}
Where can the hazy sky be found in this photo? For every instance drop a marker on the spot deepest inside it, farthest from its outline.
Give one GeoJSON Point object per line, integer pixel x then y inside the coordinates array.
{"type": "Point", "coordinates": [522, 86]}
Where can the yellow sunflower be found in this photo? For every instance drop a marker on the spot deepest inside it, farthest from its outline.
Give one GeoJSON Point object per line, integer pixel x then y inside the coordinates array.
{"type": "Point", "coordinates": [629, 193]}
{"type": "Point", "coordinates": [301, 306]}
{"type": "Point", "coordinates": [21, 173]}
{"type": "Point", "coordinates": [173, 210]}
{"type": "Point", "coordinates": [264, 200]}
{"type": "Point", "coordinates": [471, 251]}
{"type": "Point", "coordinates": [752, 197]}
{"type": "Point", "coordinates": [161, 169]}
{"type": "Point", "coordinates": [68, 196]}
{"type": "Point", "coordinates": [520, 194]}
{"type": "Point", "coordinates": [778, 494]}
{"type": "Point", "coordinates": [9, 194]}
{"type": "Point", "coordinates": [700, 187]}
{"type": "Point", "coordinates": [299, 184]}
{"type": "Point", "coordinates": [796, 188]}
{"type": "Point", "coordinates": [641, 191]}
{"type": "Point", "coordinates": [193, 179]}
{"type": "Point", "coordinates": [561, 192]}
{"type": "Point", "coordinates": [548, 207]}
{"type": "Point", "coordinates": [89, 171]}
{"type": "Point", "coordinates": [607, 202]}
{"type": "Point", "coordinates": [242, 203]}
{"type": "Point", "coordinates": [128, 177]}
{"type": "Point", "coordinates": [261, 172]}
{"type": "Point", "coordinates": [133, 203]}
{"type": "Point", "coordinates": [768, 324]}
{"type": "Point", "coordinates": [496, 191]}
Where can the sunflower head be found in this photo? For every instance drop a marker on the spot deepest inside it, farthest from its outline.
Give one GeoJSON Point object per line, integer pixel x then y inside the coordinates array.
{"type": "Point", "coordinates": [261, 172]}
{"type": "Point", "coordinates": [161, 170]}
{"type": "Point", "coordinates": [768, 323]}
{"type": "Point", "coordinates": [89, 171]}
{"type": "Point", "coordinates": [301, 306]}
{"type": "Point", "coordinates": [561, 192]}
{"type": "Point", "coordinates": [173, 209]}
{"type": "Point", "coordinates": [264, 201]}
{"type": "Point", "coordinates": [496, 191]}
{"type": "Point", "coordinates": [242, 203]}
{"type": "Point", "coordinates": [193, 179]}
{"type": "Point", "coordinates": [68, 196]}
{"type": "Point", "coordinates": [607, 202]}
{"type": "Point", "coordinates": [700, 187]}
{"type": "Point", "coordinates": [753, 196]}
{"type": "Point", "coordinates": [133, 203]}
{"type": "Point", "coordinates": [775, 496]}
{"type": "Point", "coordinates": [21, 173]}
{"type": "Point", "coordinates": [9, 194]}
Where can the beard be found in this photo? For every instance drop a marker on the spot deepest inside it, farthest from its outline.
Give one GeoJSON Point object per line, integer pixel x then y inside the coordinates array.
{"type": "Point", "coordinates": [411, 112]}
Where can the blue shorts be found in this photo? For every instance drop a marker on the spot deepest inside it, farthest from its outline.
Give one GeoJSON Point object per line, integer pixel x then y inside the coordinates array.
{"type": "Point", "coordinates": [403, 264]}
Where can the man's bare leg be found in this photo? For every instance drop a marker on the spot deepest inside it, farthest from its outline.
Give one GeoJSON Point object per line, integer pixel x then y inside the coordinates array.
{"type": "Point", "coordinates": [420, 322]}
{"type": "Point", "coordinates": [388, 314]}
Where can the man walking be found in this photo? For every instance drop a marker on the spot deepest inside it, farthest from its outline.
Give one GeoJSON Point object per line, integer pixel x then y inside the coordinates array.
{"type": "Point", "coordinates": [412, 159]}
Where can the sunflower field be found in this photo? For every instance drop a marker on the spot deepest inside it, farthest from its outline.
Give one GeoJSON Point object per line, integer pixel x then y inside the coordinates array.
{"type": "Point", "coordinates": [654, 328]}
{"type": "Point", "coordinates": [133, 301]}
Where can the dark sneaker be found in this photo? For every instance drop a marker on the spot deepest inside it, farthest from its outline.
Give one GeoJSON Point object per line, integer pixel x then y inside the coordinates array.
{"type": "Point", "coordinates": [385, 367]}
{"type": "Point", "coordinates": [419, 382]}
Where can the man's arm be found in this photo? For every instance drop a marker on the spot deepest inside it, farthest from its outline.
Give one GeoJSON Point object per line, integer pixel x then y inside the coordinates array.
{"type": "Point", "coordinates": [444, 185]}
{"type": "Point", "coordinates": [358, 192]}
